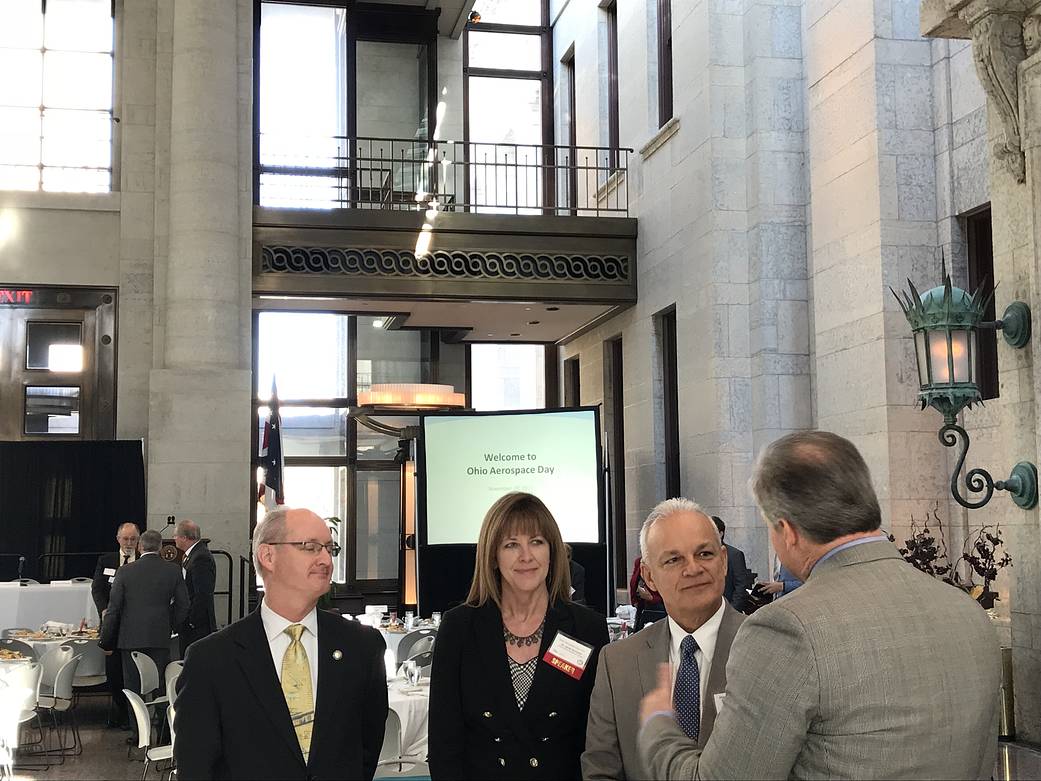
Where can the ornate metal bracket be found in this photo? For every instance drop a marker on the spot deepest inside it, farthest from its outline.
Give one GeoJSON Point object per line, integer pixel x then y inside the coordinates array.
{"type": "Point", "coordinates": [998, 49]}
{"type": "Point", "coordinates": [1021, 484]}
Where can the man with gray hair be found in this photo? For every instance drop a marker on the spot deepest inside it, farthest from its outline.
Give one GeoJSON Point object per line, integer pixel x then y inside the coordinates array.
{"type": "Point", "coordinates": [200, 578]}
{"type": "Point", "coordinates": [148, 601]}
{"type": "Point", "coordinates": [871, 669]}
{"type": "Point", "coordinates": [127, 537]}
{"type": "Point", "coordinates": [683, 560]}
{"type": "Point", "coordinates": [289, 691]}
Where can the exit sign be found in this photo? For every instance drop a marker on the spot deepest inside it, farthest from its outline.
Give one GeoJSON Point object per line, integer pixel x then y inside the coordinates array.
{"type": "Point", "coordinates": [14, 296]}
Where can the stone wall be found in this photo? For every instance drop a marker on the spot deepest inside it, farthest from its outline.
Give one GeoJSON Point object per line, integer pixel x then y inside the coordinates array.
{"type": "Point", "coordinates": [818, 148]}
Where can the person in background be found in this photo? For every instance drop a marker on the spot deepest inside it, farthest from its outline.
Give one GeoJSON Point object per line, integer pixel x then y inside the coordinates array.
{"type": "Point", "coordinates": [289, 691]}
{"type": "Point", "coordinates": [739, 579]}
{"type": "Point", "coordinates": [851, 675]}
{"type": "Point", "coordinates": [127, 537]}
{"type": "Point", "coordinates": [578, 578]}
{"type": "Point", "coordinates": [200, 578]}
{"type": "Point", "coordinates": [784, 582]}
{"type": "Point", "coordinates": [148, 600]}
{"type": "Point", "coordinates": [648, 603]}
{"type": "Point", "coordinates": [685, 562]}
{"type": "Point", "coordinates": [514, 665]}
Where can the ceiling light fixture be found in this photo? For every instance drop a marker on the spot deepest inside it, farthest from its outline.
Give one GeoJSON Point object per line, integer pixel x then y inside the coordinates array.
{"type": "Point", "coordinates": [411, 395]}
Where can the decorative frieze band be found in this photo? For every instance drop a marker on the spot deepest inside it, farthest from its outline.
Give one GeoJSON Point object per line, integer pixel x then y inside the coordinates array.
{"type": "Point", "coordinates": [457, 265]}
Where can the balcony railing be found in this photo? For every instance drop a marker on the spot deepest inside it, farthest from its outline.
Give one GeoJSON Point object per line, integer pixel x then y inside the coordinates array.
{"type": "Point", "coordinates": [414, 175]}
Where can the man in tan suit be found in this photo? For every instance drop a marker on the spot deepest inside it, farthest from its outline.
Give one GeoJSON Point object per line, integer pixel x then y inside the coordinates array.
{"type": "Point", "coordinates": [872, 669]}
{"type": "Point", "coordinates": [684, 560]}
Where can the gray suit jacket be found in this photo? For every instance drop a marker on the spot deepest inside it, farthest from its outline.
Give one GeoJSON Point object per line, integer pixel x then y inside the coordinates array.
{"type": "Point", "coordinates": [626, 672]}
{"type": "Point", "coordinates": [149, 599]}
{"type": "Point", "coordinates": [871, 670]}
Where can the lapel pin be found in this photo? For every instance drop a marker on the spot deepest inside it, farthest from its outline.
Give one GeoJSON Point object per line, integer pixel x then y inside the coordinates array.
{"type": "Point", "coordinates": [337, 654]}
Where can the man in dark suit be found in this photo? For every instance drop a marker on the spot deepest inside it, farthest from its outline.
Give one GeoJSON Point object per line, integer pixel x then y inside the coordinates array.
{"type": "Point", "coordinates": [200, 577]}
{"type": "Point", "coordinates": [249, 703]}
{"type": "Point", "coordinates": [739, 578]}
{"type": "Point", "coordinates": [148, 599]}
{"type": "Point", "coordinates": [127, 535]}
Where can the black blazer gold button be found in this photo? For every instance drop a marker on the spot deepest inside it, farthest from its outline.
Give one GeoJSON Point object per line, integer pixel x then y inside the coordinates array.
{"type": "Point", "coordinates": [533, 762]}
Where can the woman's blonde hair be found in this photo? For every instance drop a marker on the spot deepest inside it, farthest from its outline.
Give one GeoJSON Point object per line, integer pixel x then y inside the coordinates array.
{"type": "Point", "coordinates": [517, 513]}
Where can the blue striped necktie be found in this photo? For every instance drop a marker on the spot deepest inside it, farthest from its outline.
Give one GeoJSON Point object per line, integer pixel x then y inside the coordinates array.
{"type": "Point", "coordinates": [686, 694]}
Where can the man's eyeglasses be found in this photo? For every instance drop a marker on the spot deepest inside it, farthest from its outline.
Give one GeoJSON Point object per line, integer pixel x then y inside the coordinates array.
{"type": "Point", "coordinates": [312, 547]}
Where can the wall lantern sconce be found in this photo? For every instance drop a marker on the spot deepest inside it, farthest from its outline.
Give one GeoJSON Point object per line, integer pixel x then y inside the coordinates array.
{"type": "Point", "coordinates": [945, 321]}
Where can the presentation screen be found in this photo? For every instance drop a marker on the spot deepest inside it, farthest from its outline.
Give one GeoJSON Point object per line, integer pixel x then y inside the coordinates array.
{"type": "Point", "coordinates": [470, 460]}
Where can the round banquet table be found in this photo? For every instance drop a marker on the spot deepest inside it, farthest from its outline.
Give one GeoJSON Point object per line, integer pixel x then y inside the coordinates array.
{"type": "Point", "coordinates": [413, 708]}
{"type": "Point", "coordinates": [90, 664]}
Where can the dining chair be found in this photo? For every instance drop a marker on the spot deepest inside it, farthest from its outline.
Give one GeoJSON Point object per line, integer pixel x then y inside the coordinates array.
{"type": "Point", "coordinates": [144, 733]}
{"type": "Point", "coordinates": [415, 642]}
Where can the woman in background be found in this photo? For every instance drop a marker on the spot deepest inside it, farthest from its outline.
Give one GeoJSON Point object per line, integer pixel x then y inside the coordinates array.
{"type": "Point", "coordinates": [514, 666]}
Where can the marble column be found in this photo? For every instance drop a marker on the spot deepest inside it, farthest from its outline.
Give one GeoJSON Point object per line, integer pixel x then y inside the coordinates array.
{"type": "Point", "coordinates": [199, 409]}
{"type": "Point", "coordinates": [873, 216]}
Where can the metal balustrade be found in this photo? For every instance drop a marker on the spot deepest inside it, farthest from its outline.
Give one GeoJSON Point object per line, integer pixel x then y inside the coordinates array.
{"type": "Point", "coordinates": [453, 176]}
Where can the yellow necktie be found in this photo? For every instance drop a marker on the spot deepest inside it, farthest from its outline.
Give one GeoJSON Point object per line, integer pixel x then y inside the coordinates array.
{"type": "Point", "coordinates": [296, 685]}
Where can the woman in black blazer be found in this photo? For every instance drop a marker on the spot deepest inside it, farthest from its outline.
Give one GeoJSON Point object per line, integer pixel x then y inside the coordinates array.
{"type": "Point", "coordinates": [515, 665]}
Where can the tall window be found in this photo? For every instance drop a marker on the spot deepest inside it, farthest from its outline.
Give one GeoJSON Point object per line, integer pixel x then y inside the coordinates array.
{"type": "Point", "coordinates": [507, 376]}
{"type": "Point", "coordinates": [507, 102]}
{"type": "Point", "coordinates": [334, 464]}
{"type": "Point", "coordinates": [612, 83]}
{"type": "Point", "coordinates": [302, 105]}
{"type": "Point", "coordinates": [344, 108]}
{"type": "Point", "coordinates": [981, 272]}
{"type": "Point", "coordinates": [56, 61]}
{"type": "Point", "coordinates": [571, 125]}
{"type": "Point", "coordinates": [664, 61]}
{"type": "Point", "coordinates": [666, 322]}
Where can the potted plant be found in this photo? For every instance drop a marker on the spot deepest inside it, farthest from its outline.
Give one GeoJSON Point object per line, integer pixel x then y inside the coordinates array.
{"type": "Point", "coordinates": [926, 550]}
{"type": "Point", "coordinates": [984, 556]}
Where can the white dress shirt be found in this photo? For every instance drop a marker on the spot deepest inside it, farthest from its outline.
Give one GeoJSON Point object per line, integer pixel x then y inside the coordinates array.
{"type": "Point", "coordinates": [705, 636]}
{"type": "Point", "coordinates": [278, 641]}
{"type": "Point", "coordinates": [133, 557]}
{"type": "Point", "coordinates": [184, 560]}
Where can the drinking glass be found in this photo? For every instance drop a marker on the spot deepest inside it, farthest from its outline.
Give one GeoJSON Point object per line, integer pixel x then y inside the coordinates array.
{"type": "Point", "coordinates": [436, 618]}
{"type": "Point", "coordinates": [410, 620]}
{"type": "Point", "coordinates": [412, 673]}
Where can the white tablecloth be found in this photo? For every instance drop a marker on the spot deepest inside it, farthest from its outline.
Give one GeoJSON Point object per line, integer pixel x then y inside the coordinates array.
{"type": "Point", "coordinates": [393, 640]}
{"type": "Point", "coordinates": [30, 606]}
{"type": "Point", "coordinates": [413, 708]}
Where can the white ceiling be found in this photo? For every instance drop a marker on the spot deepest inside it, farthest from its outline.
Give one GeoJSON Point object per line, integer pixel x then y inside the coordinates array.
{"type": "Point", "coordinates": [487, 321]}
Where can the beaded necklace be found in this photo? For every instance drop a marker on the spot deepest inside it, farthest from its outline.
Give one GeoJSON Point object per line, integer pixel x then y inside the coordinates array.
{"type": "Point", "coordinates": [532, 639]}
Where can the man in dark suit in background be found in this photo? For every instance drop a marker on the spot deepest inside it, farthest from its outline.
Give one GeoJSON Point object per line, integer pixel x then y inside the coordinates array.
{"type": "Point", "coordinates": [127, 535]}
{"type": "Point", "coordinates": [148, 600]}
{"type": "Point", "coordinates": [249, 704]}
{"type": "Point", "coordinates": [739, 578]}
{"type": "Point", "coordinates": [200, 577]}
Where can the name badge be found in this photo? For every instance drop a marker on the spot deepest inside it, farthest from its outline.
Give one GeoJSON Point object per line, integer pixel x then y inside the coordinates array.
{"type": "Point", "coordinates": [719, 701]}
{"type": "Point", "coordinates": [568, 655]}
{"type": "Point", "coordinates": [109, 571]}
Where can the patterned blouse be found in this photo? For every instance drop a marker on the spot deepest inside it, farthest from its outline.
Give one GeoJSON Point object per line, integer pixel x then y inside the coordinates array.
{"type": "Point", "coordinates": [523, 676]}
